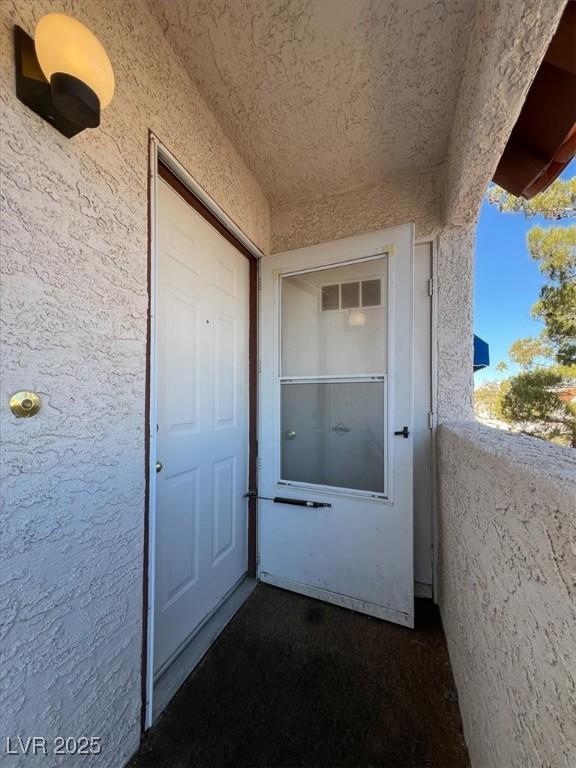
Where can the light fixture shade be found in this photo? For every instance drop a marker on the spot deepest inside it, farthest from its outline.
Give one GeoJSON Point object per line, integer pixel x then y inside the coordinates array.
{"type": "Point", "coordinates": [356, 319]}
{"type": "Point", "coordinates": [66, 46]}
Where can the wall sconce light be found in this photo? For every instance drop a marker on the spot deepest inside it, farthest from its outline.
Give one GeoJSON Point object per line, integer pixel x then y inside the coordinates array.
{"type": "Point", "coordinates": [64, 75]}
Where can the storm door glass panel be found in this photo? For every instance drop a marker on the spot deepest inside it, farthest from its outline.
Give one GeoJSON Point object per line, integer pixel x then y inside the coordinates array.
{"type": "Point", "coordinates": [333, 368]}
{"type": "Point", "coordinates": [333, 434]}
{"type": "Point", "coordinates": [326, 329]}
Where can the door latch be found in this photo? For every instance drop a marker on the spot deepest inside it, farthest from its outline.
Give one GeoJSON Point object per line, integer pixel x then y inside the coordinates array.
{"type": "Point", "coordinates": [403, 432]}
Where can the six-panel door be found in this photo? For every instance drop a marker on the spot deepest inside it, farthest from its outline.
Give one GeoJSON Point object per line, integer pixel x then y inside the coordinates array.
{"type": "Point", "coordinates": [202, 409]}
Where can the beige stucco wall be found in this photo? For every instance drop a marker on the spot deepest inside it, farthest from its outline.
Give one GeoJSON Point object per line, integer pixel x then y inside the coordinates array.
{"type": "Point", "coordinates": [507, 42]}
{"type": "Point", "coordinates": [508, 593]}
{"type": "Point", "coordinates": [414, 198]}
{"type": "Point", "coordinates": [455, 333]}
{"type": "Point", "coordinates": [73, 312]}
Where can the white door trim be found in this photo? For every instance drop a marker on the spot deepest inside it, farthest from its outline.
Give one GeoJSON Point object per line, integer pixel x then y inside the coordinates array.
{"type": "Point", "coordinates": [432, 242]}
{"type": "Point", "coordinates": [434, 399]}
{"type": "Point", "coordinates": [152, 439]}
{"type": "Point", "coordinates": [158, 152]}
{"type": "Point", "coordinates": [168, 159]}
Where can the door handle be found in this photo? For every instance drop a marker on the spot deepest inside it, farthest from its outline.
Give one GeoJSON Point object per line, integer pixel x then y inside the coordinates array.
{"type": "Point", "coordinates": [158, 467]}
{"type": "Point", "coordinates": [403, 432]}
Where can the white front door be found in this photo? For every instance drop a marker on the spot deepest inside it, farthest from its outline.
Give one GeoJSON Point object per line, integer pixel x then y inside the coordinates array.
{"type": "Point", "coordinates": [202, 413]}
{"type": "Point", "coordinates": [335, 516]}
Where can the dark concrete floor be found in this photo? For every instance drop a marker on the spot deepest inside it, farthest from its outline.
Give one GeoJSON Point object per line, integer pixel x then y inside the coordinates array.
{"type": "Point", "coordinates": [297, 682]}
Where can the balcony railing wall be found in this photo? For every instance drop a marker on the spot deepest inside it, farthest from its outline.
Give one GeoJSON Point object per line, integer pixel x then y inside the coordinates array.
{"type": "Point", "coordinates": [507, 586]}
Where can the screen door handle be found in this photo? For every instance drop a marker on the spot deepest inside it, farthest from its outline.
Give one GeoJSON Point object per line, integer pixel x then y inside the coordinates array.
{"type": "Point", "coordinates": [403, 432]}
{"type": "Point", "coordinates": [253, 494]}
{"type": "Point", "coordinates": [300, 502]}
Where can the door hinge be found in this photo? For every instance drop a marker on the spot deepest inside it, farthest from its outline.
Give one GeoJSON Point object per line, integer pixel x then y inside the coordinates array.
{"type": "Point", "coordinates": [258, 464]}
{"type": "Point", "coordinates": [259, 283]}
{"type": "Point", "coordinates": [431, 420]}
{"type": "Point", "coordinates": [431, 286]}
{"type": "Point", "coordinates": [259, 366]}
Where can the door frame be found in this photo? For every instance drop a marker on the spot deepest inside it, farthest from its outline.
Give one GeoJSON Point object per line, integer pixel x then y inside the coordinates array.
{"type": "Point", "coordinates": [423, 589]}
{"type": "Point", "coordinates": [163, 164]}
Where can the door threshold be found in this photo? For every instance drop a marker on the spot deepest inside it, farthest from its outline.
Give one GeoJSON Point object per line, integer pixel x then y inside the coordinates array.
{"type": "Point", "coordinates": [167, 685]}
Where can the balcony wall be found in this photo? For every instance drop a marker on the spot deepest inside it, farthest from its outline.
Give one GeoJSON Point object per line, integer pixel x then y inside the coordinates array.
{"type": "Point", "coordinates": [508, 593]}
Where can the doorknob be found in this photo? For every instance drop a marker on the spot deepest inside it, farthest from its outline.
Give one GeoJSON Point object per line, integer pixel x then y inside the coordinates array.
{"type": "Point", "coordinates": [403, 432]}
{"type": "Point", "coordinates": [158, 467]}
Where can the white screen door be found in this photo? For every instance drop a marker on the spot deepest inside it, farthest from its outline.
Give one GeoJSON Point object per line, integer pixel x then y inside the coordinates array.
{"type": "Point", "coordinates": [336, 385]}
{"type": "Point", "coordinates": [202, 412]}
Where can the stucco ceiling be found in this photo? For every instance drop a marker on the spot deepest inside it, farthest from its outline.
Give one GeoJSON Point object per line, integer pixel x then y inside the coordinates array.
{"type": "Point", "coordinates": [325, 96]}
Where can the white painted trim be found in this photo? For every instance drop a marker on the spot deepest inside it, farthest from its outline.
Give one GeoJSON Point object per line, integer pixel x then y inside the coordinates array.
{"type": "Point", "coordinates": [198, 191]}
{"type": "Point", "coordinates": [422, 589]}
{"type": "Point", "coordinates": [434, 379]}
{"type": "Point", "coordinates": [361, 606]}
{"type": "Point", "coordinates": [433, 242]}
{"type": "Point", "coordinates": [351, 262]}
{"type": "Point", "coordinates": [387, 252]}
{"type": "Point", "coordinates": [149, 704]}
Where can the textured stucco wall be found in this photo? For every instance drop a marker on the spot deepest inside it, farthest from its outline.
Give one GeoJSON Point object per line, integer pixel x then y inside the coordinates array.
{"type": "Point", "coordinates": [326, 97]}
{"type": "Point", "coordinates": [73, 312]}
{"type": "Point", "coordinates": [454, 336]}
{"type": "Point", "coordinates": [507, 42]}
{"type": "Point", "coordinates": [508, 593]}
{"type": "Point", "coordinates": [414, 198]}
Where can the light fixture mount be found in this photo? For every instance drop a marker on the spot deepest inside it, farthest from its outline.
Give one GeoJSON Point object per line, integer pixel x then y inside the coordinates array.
{"type": "Point", "coordinates": [54, 101]}
{"type": "Point", "coordinates": [65, 75]}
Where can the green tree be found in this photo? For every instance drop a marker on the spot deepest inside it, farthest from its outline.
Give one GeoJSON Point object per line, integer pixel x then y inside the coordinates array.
{"type": "Point", "coordinates": [557, 308]}
{"type": "Point", "coordinates": [533, 402]}
{"type": "Point", "coordinates": [555, 251]}
{"type": "Point", "coordinates": [527, 352]}
{"type": "Point", "coordinates": [488, 399]}
{"type": "Point", "coordinates": [557, 202]}
{"type": "Point", "coordinates": [538, 400]}
{"type": "Point", "coordinates": [554, 248]}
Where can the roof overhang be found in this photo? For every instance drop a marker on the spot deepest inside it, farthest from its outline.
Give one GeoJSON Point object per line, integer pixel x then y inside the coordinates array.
{"type": "Point", "coordinates": [543, 140]}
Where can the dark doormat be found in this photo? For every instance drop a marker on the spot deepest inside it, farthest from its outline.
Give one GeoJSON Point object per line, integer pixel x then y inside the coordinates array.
{"type": "Point", "coordinates": [296, 682]}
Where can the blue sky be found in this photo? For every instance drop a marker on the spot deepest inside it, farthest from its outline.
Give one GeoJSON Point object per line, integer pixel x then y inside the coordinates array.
{"type": "Point", "coordinates": [507, 282]}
